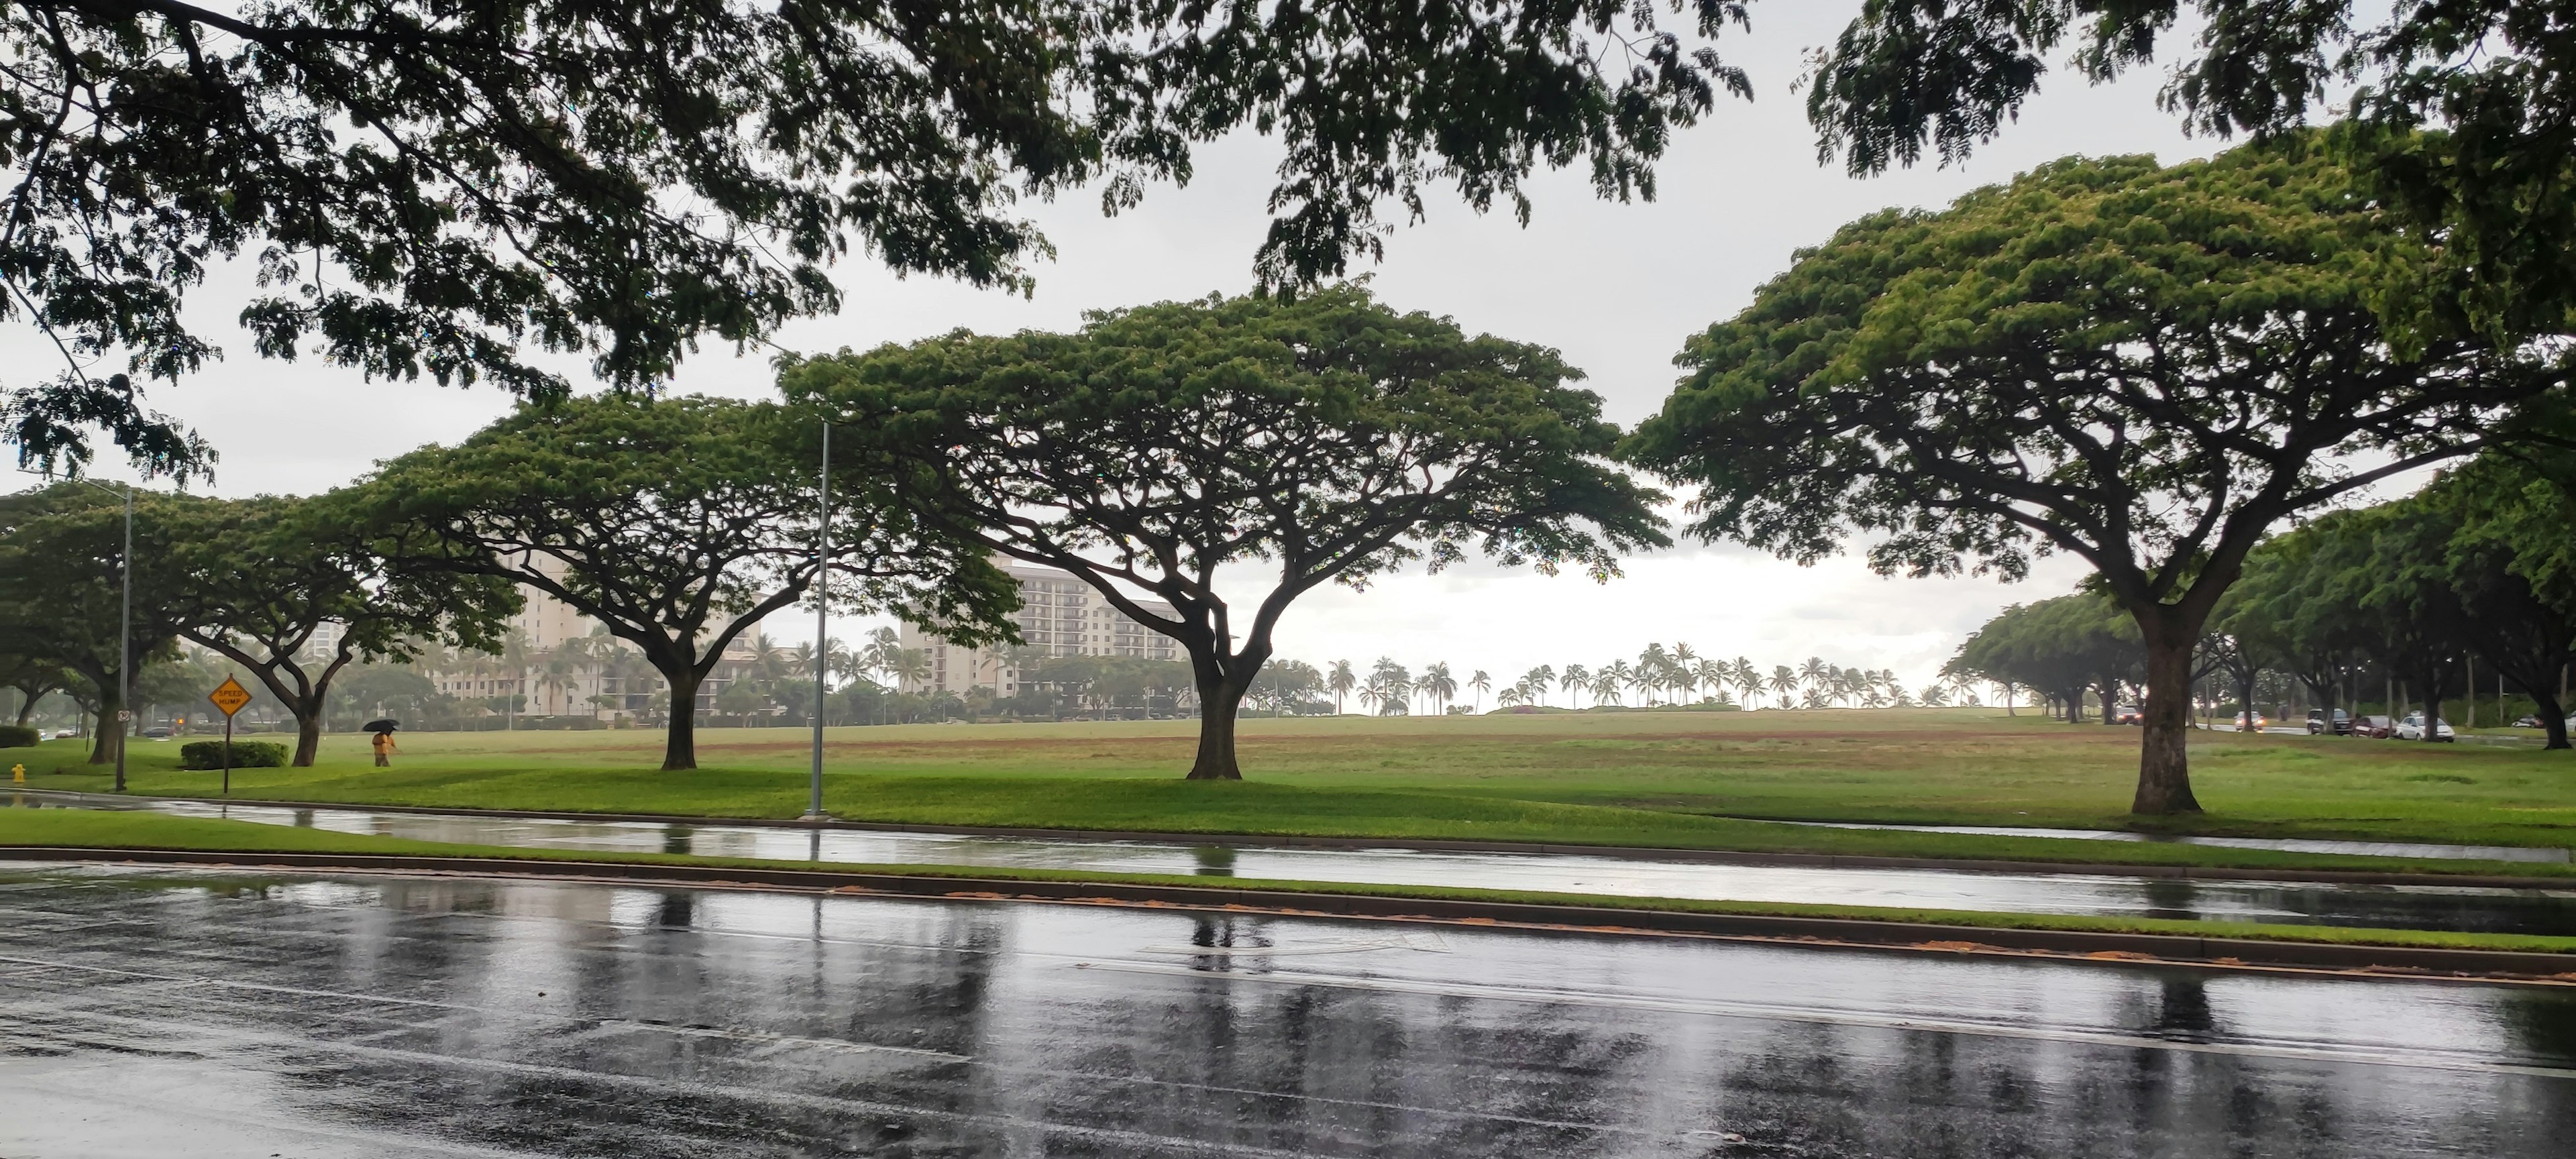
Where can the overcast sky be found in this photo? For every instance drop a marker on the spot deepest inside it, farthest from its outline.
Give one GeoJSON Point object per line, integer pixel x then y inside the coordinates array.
{"type": "Point", "coordinates": [1616, 287]}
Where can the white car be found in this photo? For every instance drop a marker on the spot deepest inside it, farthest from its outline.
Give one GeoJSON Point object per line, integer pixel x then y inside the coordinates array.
{"type": "Point", "coordinates": [2412, 728]}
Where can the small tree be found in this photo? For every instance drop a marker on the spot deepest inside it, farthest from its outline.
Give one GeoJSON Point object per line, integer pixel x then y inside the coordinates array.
{"type": "Point", "coordinates": [2145, 367]}
{"type": "Point", "coordinates": [259, 578]}
{"type": "Point", "coordinates": [678, 524]}
{"type": "Point", "coordinates": [1331, 437]}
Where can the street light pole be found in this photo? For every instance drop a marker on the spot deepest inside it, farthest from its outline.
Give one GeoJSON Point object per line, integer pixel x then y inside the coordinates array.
{"type": "Point", "coordinates": [822, 625]}
{"type": "Point", "coordinates": [125, 638]}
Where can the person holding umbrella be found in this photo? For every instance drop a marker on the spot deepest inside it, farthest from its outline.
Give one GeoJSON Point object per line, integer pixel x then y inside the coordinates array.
{"type": "Point", "coordinates": [384, 743]}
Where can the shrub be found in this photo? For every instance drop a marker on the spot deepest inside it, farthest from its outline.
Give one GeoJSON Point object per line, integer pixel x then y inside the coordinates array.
{"type": "Point", "coordinates": [14, 736]}
{"type": "Point", "coordinates": [247, 754]}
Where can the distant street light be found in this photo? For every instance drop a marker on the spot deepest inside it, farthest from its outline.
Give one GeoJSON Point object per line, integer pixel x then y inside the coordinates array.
{"type": "Point", "coordinates": [124, 619]}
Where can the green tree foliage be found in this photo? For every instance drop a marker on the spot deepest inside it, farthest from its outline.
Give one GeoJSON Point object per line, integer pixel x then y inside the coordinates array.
{"type": "Point", "coordinates": [261, 576]}
{"type": "Point", "coordinates": [2496, 78]}
{"type": "Point", "coordinates": [62, 582]}
{"type": "Point", "coordinates": [1331, 438]}
{"type": "Point", "coordinates": [2414, 584]}
{"type": "Point", "coordinates": [433, 189]}
{"type": "Point", "coordinates": [2059, 647]}
{"type": "Point", "coordinates": [678, 524]}
{"type": "Point", "coordinates": [2145, 367]}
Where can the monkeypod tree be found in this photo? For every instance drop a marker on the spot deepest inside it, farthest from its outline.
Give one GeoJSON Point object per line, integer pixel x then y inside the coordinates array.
{"type": "Point", "coordinates": [62, 588]}
{"type": "Point", "coordinates": [2058, 646]}
{"type": "Point", "coordinates": [259, 577]}
{"type": "Point", "coordinates": [2495, 81]}
{"type": "Point", "coordinates": [445, 189]}
{"type": "Point", "coordinates": [1329, 439]}
{"type": "Point", "coordinates": [678, 523]}
{"type": "Point", "coordinates": [2145, 367]}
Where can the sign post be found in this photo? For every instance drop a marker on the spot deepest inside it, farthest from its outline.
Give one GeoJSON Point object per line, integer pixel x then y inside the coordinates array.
{"type": "Point", "coordinates": [229, 696]}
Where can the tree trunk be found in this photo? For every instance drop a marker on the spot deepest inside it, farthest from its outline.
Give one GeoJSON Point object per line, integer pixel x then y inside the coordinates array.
{"type": "Point", "coordinates": [2110, 691]}
{"type": "Point", "coordinates": [2432, 692]}
{"type": "Point", "coordinates": [110, 734]}
{"type": "Point", "coordinates": [2553, 719]}
{"type": "Point", "coordinates": [1219, 700]}
{"type": "Point", "coordinates": [680, 748]}
{"type": "Point", "coordinates": [308, 733]}
{"type": "Point", "coordinates": [2245, 700]}
{"type": "Point", "coordinates": [2164, 762]}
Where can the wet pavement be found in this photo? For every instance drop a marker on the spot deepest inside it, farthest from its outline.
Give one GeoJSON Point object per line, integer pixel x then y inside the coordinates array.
{"type": "Point", "coordinates": [166, 1012]}
{"type": "Point", "coordinates": [2528, 853]}
{"type": "Point", "coordinates": [2465, 908]}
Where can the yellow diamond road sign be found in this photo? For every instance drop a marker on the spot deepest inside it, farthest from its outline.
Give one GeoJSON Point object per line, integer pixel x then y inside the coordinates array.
{"type": "Point", "coordinates": [229, 696]}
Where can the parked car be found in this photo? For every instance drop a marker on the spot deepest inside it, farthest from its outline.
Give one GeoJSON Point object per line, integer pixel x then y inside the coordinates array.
{"type": "Point", "coordinates": [2128, 714]}
{"type": "Point", "coordinates": [2320, 723]}
{"type": "Point", "coordinates": [2527, 722]}
{"type": "Point", "coordinates": [66, 733]}
{"type": "Point", "coordinates": [157, 732]}
{"type": "Point", "coordinates": [2260, 723]}
{"type": "Point", "coordinates": [2412, 728]}
{"type": "Point", "coordinates": [2374, 726]}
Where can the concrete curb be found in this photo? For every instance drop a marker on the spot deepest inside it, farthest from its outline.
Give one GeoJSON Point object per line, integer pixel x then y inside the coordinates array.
{"type": "Point", "coordinates": [2230, 953]}
{"type": "Point", "coordinates": [1439, 845]}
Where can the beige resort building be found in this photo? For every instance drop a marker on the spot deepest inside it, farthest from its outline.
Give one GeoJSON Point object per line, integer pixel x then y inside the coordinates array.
{"type": "Point", "coordinates": [1059, 616]}
{"type": "Point", "coordinates": [613, 692]}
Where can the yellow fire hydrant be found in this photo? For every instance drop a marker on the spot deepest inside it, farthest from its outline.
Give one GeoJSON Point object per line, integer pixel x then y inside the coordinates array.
{"type": "Point", "coordinates": [18, 774]}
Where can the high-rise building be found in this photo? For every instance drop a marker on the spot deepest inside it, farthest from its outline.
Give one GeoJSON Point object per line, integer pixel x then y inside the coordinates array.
{"type": "Point", "coordinates": [1059, 616]}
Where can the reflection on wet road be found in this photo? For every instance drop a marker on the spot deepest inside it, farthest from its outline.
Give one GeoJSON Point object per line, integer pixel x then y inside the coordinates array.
{"type": "Point", "coordinates": [2530, 911]}
{"type": "Point", "coordinates": [162, 1012]}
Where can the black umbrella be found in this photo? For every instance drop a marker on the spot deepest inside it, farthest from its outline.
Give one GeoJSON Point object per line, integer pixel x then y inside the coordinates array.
{"type": "Point", "coordinates": [386, 725]}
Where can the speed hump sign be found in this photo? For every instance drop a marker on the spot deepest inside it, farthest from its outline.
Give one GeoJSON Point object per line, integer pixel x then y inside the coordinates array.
{"type": "Point", "coordinates": [229, 696]}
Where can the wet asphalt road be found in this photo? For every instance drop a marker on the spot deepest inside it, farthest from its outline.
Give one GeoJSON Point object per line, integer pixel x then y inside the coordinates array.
{"type": "Point", "coordinates": [165, 1012]}
{"type": "Point", "coordinates": [2411, 906]}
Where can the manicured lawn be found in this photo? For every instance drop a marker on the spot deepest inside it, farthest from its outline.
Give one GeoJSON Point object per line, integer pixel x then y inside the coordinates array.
{"type": "Point", "coordinates": [1658, 779]}
{"type": "Point", "coordinates": [112, 831]}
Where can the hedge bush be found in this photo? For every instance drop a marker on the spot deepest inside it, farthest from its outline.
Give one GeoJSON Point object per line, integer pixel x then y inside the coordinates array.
{"type": "Point", "coordinates": [247, 754]}
{"type": "Point", "coordinates": [18, 737]}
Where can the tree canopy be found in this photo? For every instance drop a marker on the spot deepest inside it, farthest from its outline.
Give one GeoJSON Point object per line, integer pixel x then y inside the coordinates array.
{"type": "Point", "coordinates": [62, 590]}
{"type": "Point", "coordinates": [1328, 439]}
{"type": "Point", "coordinates": [678, 523]}
{"type": "Point", "coordinates": [441, 190]}
{"type": "Point", "coordinates": [2496, 79]}
{"type": "Point", "coordinates": [2145, 367]}
{"type": "Point", "coordinates": [260, 577]}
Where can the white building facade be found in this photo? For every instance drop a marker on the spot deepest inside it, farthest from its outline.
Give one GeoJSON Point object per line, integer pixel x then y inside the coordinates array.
{"type": "Point", "coordinates": [1059, 616]}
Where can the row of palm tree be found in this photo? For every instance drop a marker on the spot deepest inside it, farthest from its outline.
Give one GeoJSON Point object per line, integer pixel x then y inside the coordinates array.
{"type": "Point", "coordinates": [1658, 675]}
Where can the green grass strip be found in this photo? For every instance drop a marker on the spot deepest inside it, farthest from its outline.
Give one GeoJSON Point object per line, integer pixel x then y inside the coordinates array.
{"type": "Point", "coordinates": [112, 831]}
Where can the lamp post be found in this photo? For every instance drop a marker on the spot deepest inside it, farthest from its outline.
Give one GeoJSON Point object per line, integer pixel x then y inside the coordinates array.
{"type": "Point", "coordinates": [822, 626]}
{"type": "Point", "coordinates": [124, 618]}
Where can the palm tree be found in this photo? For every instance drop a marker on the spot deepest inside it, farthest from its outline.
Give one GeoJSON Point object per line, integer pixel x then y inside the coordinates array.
{"type": "Point", "coordinates": [1713, 673]}
{"type": "Point", "coordinates": [1747, 679]}
{"type": "Point", "coordinates": [1607, 681]}
{"type": "Point", "coordinates": [1814, 672]}
{"type": "Point", "coordinates": [1784, 684]}
{"type": "Point", "coordinates": [1482, 684]}
{"type": "Point", "coordinates": [1649, 674]}
{"type": "Point", "coordinates": [909, 665]}
{"type": "Point", "coordinates": [1646, 679]}
{"type": "Point", "coordinates": [1534, 683]}
{"type": "Point", "coordinates": [1439, 687]}
{"type": "Point", "coordinates": [1574, 680]}
{"type": "Point", "coordinates": [1511, 696]}
{"type": "Point", "coordinates": [1341, 680]}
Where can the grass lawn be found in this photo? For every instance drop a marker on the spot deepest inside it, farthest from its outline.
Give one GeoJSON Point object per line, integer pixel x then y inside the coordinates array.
{"type": "Point", "coordinates": [109, 831]}
{"type": "Point", "coordinates": [1655, 779]}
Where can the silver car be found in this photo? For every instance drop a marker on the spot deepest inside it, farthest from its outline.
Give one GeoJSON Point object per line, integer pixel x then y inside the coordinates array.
{"type": "Point", "coordinates": [2412, 728]}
